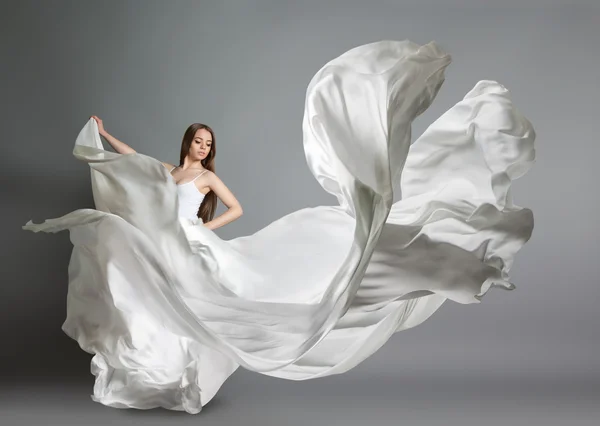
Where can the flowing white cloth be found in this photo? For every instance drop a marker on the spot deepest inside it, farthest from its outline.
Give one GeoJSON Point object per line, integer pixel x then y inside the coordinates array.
{"type": "Point", "coordinates": [170, 310]}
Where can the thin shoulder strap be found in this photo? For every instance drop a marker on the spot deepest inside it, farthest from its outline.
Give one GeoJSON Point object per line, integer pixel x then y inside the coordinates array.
{"type": "Point", "coordinates": [172, 169]}
{"type": "Point", "coordinates": [203, 171]}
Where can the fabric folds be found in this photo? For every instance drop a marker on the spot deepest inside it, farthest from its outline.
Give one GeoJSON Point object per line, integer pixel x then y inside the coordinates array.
{"type": "Point", "coordinates": [170, 310]}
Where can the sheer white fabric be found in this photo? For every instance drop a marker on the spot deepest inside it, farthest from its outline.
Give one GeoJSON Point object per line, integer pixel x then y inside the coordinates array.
{"type": "Point", "coordinates": [170, 310]}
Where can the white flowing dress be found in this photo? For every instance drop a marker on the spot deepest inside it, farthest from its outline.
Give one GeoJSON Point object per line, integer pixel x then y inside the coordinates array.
{"type": "Point", "coordinates": [169, 310]}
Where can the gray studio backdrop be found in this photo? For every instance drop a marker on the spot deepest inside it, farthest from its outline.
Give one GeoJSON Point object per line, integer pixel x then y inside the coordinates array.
{"type": "Point", "coordinates": [151, 68]}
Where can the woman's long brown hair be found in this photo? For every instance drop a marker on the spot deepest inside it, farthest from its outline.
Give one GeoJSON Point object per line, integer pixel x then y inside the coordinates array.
{"type": "Point", "coordinates": [209, 204]}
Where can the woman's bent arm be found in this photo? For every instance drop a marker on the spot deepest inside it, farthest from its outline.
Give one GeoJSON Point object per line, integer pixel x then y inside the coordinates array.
{"type": "Point", "coordinates": [226, 196]}
{"type": "Point", "coordinates": [230, 215]}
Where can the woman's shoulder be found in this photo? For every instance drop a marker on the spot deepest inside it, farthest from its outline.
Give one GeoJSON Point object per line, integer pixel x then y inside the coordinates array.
{"type": "Point", "coordinates": [168, 166]}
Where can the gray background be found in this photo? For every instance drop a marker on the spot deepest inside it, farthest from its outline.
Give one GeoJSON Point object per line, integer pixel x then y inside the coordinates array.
{"type": "Point", "coordinates": [150, 68]}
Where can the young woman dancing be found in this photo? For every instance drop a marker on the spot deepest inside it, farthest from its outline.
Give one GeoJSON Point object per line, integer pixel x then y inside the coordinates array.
{"type": "Point", "coordinates": [198, 187]}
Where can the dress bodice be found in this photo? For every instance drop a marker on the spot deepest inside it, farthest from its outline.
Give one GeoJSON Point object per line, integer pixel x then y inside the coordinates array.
{"type": "Point", "coordinates": [189, 198]}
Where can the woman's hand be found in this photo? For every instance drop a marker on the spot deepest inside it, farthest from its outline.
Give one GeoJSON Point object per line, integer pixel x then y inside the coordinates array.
{"type": "Point", "coordinates": [100, 125]}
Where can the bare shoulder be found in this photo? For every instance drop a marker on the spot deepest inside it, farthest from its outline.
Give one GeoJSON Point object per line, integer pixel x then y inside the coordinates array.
{"type": "Point", "coordinates": [167, 165]}
{"type": "Point", "coordinates": [211, 177]}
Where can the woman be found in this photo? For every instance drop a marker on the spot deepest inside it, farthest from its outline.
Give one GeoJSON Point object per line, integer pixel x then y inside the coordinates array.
{"type": "Point", "coordinates": [197, 184]}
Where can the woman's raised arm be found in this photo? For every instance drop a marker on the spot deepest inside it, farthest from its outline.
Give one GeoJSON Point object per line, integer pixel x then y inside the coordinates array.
{"type": "Point", "coordinates": [120, 147]}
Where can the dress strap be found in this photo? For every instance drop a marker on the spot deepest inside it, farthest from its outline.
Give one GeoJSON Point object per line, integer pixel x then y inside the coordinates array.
{"type": "Point", "coordinates": [204, 171]}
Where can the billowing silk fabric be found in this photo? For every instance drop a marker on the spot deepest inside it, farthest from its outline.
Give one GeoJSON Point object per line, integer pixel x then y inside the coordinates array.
{"type": "Point", "coordinates": [170, 310]}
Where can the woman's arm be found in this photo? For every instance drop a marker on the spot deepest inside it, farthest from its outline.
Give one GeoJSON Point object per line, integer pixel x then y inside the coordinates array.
{"type": "Point", "coordinates": [234, 210]}
{"type": "Point", "coordinates": [123, 148]}
{"type": "Point", "coordinates": [120, 147]}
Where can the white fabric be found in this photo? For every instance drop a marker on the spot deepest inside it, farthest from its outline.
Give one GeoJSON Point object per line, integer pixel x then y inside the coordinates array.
{"type": "Point", "coordinates": [170, 310]}
{"type": "Point", "coordinates": [189, 199]}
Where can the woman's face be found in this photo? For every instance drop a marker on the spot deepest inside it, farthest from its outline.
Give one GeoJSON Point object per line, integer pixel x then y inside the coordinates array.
{"type": "Point", "coordinates": [201, 144]}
